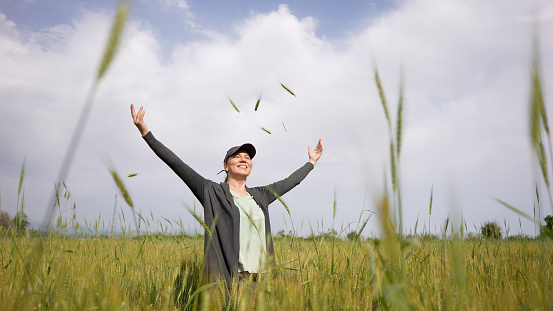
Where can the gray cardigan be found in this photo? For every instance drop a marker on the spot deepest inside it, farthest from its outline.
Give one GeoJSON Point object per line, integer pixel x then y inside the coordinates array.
{"type": "Point", "coordinates": [221, 253]}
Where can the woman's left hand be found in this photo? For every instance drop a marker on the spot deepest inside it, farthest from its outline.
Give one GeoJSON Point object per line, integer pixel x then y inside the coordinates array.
{"type": "Point", "coordinates": [314, 155]}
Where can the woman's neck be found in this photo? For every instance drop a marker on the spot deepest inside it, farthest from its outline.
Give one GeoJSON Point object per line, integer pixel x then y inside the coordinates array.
{"type": "Point", "coordinates": [237, 185]}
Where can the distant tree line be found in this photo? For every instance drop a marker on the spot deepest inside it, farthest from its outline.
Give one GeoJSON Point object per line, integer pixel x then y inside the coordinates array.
{"type": "Point", "coordinates": [490, 230]}
{"type": "Point", "coordinates": [20, 221]}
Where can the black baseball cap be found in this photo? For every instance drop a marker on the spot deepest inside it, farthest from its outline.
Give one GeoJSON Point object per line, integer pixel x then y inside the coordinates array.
{"type": "Point", "coordinates": [249, 148]}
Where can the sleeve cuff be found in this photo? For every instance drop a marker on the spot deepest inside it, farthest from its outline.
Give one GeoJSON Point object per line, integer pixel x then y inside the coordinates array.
{"type": "Point", "coordinates": [148, 136]}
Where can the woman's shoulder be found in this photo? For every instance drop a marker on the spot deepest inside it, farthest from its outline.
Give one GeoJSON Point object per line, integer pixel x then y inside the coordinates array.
{"type": "Point", "coordinates": [259, 193]}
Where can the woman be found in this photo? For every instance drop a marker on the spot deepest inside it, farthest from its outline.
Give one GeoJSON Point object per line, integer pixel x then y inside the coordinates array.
{"type": "Point", "coordinates": [238, 216]}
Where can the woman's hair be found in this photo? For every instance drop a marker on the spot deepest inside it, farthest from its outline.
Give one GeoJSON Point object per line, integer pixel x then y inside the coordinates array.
{"type": "Point", "coordinates": [226, 172]}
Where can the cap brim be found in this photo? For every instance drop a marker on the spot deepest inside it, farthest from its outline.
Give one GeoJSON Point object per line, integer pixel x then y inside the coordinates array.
{"type": "Point", "coordinates": [249, 148]}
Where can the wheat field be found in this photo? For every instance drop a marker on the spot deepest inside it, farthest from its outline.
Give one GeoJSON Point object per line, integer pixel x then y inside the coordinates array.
{"type": "Point", "coordinates": [157, 272]}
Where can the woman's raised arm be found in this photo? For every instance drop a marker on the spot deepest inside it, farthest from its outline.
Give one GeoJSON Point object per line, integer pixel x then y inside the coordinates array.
{"type": "Point", "coordinates": [191, 178]}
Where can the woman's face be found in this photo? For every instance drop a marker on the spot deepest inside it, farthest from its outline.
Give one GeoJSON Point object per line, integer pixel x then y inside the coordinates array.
{"type": "Point", "coordinates": [239, 165]}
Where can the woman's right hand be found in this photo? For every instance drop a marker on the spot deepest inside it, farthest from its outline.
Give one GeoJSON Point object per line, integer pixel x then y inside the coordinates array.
{"type": "Point", "coordinates": [138, 119]}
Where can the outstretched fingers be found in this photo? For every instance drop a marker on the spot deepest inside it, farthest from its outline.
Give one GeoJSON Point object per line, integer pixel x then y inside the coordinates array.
{"type": "Point", "coordinates": [315, 154]}
{"type": "Point", "coordinates": [133, 114]}
{"type": "Point", "coordinates": [319, 147]}
{"type": "Point", "coordinates": [138, 119]}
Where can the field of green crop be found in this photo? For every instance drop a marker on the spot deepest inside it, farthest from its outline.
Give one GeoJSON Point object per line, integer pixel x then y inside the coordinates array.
{"type": "Point", "coordinates": [161, 273]}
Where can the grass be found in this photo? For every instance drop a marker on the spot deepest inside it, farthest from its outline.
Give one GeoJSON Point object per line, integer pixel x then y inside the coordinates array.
{"type": "Point", "coordinates": [144, 273]}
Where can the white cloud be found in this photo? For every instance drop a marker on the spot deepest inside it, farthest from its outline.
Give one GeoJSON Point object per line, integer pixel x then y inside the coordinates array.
{"type": "Point", "coordinates": [466, 70]}
{"type": "Point", "coordinates": [180, 4]}
{"type": "Point", "coordinates": [9, 36]}
{"type": "Point", "coordinates": [52, 38]}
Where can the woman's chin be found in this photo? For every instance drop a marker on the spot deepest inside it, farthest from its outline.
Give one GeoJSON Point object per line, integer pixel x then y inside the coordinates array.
{"type": "Point", "coordinates": [239, 175]}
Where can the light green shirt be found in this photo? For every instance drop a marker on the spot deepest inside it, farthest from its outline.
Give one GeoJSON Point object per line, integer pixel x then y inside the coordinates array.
{"type": "Point", "coordinates": [253, 243]}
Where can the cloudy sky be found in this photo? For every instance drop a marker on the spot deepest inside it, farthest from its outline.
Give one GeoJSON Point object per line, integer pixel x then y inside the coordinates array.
{"type": "Point", "coordinates": [466, 69]}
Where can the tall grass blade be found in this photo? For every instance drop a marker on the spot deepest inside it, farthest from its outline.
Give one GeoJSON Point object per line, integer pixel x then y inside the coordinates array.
{"type": "Point", "coordinates": [209, 232]}
{"type": "Point", "coordinates": [382, 97]}
{"type": "Point", "coordinates": [516, 210]}
{"type": "Point", "coordinates": [21, 176]}
{"type": "Point", "coordinates": [334, 209]}
{"type": "Point", "coordinates": [198, 292]}
{"type": "Point", "coordinates": [363, 227]}
{"type": "Point", "coordinates": [391, 239]}
{"type": "Point", "coordinates": [416, 225]}
{"type": "Point", "coordinates": [121, 187]}
{"type": "Point", "coordinates": [537, 222]}
{"type": "Point", "coordinates": [110, 51]}
{"type": "Point", "coordinates": [458, 266]}
{"type": "Point", "coordinates": [280, 200]}
{"type": "Point", "coordinates": [201, 222]}
{"type": "Point", "coordinates": [537, 193]}
{"type": "Point", "coordinates": [114, 37]}
{"type": "Point", "coordinates": [123, 190]}
{"type": "Point", "coordinates": [284, 204]}
{"type": "Point", "coordinates": [430, 207]}
{"type": "Point", "coordinates": [538, 118]}
{"type": "Point", "coordinates": [399, 127]}
{"type": "Point", "coordinates": [393, 163]}
{"type": "Point", "coordinates": [253, 223]}
{"type": "Point", "coordinates": [141, 248]}
{"type": "Point", "coordinates": [19, 189]}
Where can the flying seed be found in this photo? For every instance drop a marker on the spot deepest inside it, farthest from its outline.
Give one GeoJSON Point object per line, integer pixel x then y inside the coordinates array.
{"type": "Point", "coordinates": [266, 130]}
{"type": "Point", "coordinates": [132, 175]}
{"type": "Point", "coordinates": [286, 88]}
{"type": "Point", "coordinates": [233, 105]}
{"type": "Point", "coordinates": [284, 127]}
{"type": "Point", "coordinates": [257, 103]}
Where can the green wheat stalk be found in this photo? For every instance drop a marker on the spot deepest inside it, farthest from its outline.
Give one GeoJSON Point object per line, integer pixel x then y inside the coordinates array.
{"type": "Point", "coordinates": [334, 208]}
{"type": "Point", "coordinates": [19, 189]}
{"type": "Point", "coordinates": [538, 119]}
{"type": "Point", "coordinates": [416, 225]}
{"type": "Point", "coordinates": [121, 187]}
{"type": "Point", "coordinates": [124, 192]}
{"type": "Point", "coordinates": [21, 176]}
{"type": "Point", "coordinates": [399, 126]}
{"type": "Point", "coordinates": [395, 144]}
{"type": "Point", "coordinates": [210, 234]}
{"type": "Point", "coordinates": [279, 198]}
{"type": "Point", "coordinates": [363, 227]}
{"type": "Point", "coordinates": [110, 51]}
{"type": "Point", "coordinates": [430, 207]}
{"type": "Point", "coordinates": [537, 222]}
{"type": "Point", "coordinates": [114, 38]}
{"type": "Point", "coordinates": [382, 97]}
